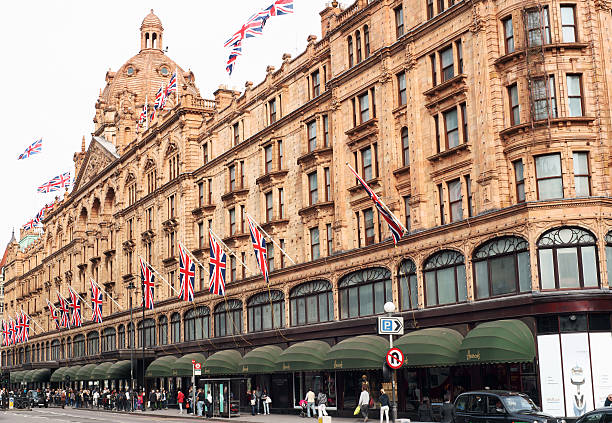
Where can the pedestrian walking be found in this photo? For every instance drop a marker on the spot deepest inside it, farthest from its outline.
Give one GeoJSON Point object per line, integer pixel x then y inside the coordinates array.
{"type": "Point", "coordinates": [265, 399]}
{"type": "Point", "coordinates": [310, 402]}
{"type": "Point", "coordinates": [425, 411]}
{"type": "Point", "coordinates": [384, 405]}
{"type": "Point", "coordinates": [364, 402]}
{"type": "Point", "coordinates": [201, 398]}
{"type": "Point", "coordinates": [322, 404]}
{"type": "Point", "coordinates": [447, 411]}
{"type": "Point", "coordinates": [180, 398]}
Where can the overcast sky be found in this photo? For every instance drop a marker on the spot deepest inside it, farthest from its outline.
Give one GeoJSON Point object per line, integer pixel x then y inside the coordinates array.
{"type": "Point", "coordinates": [55, 55]}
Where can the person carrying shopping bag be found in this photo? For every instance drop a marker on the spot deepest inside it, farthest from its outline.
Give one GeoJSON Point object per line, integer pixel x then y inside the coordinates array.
{"type": "Point", "coordinates": [322, 404]}
{"type": "Point", "coordinates": [364, 402]}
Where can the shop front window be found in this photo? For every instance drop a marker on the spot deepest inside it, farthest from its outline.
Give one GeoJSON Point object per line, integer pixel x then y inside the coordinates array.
{"type": "Point", "coordinates": [408, 285]}
{"type": "Point", "coordinates": [311, 302]}
{"type": "Point", "coordinates": [175, 325]}
{"type": "Point", "coordinates": [109, 343]}
{"type": "Point", "coordinates": [445, 281]}
{"type": "Point", "coordinates": [197, 323]}
{"type": "Point", "coordinates": [78, 346]}
{"type": "Point", "coordinates": [228, 318]}
{"type": "Point", "coordinates": [318, 382]}
{"type": "Point", "coordinates": [266, 311]}
{"type": "Point", "coordinates": [121, 337]}
{"type": "Point", "coordinates": [148, 328]}
{"type": "Point", "coordinates": [162, 328]}
{"type": "Point", "coordinates": [93, 343]}
{"type": "Point", "coordinates": [364, 292]}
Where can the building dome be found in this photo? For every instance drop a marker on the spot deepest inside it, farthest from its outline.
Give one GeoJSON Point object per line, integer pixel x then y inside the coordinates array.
{"type": "Point", "coordinates": [151, 21]}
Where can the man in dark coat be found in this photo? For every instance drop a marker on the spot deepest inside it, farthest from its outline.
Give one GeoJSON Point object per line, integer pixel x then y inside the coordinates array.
{"type": "Point", "coordinates": [447, 411]}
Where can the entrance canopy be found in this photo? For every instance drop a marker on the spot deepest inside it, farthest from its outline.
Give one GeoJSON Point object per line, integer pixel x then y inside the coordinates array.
{"type": "Point", "coordinates": [99, 373]}
{"type": "Point", "coordinates": [501, 341]}
{"type": "Point", "coordinates": [162, 367]}
{"type": "Point", "coordinates": [84, 372]}
{"type": "Point", "coordinates": [433, 347]}
{"type": "Point", "coordinates": [58, 375]}
{"type": "Point", "coordinates": [119, 370]}
{"type": "Point", "coordinates": [184, 367]}
{"type": "Point", "coordinates": [223, 363]}
{"type": "Point", "coordinates": [40, 375]}
{"type": "Point", "coordinates": [359, 352]}
{"type": "Point", "coordinates": [17, 377]}
{"type": "Point", "coordinates": [260, 360]}
{"type": "Point", "coordinates": [72, 372]}
{"type": "Point", "coordinates": [303, 356]}
{"type": "Point", "coordinates": [26, 376]}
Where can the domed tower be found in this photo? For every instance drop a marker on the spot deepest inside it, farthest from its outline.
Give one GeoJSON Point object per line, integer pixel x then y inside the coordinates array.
{"type": "Point", "coordinates": [137, 81]}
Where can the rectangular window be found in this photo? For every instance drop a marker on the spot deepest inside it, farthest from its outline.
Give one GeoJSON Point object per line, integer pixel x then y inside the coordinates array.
{"type": "Point", "coordinates": [515, 108]}
{"type": "Point", "coordinates": [270, 250]}
{"type": "Point", "coordinates": [548, 176]}
{"type": "Point", "coordinates": [236, 129]}
{"type": "Point", "coordinates": [364, 108]}
{"type": "Point", "coordinates": [451, 128]}
{"type": "Point", "coordinates": [574, 95]}
{"type": "Point", "coordinates": [282, 256]}
{"type": "Point", "coordinates": [464, 122]}
{"type": "Point", "coordinates": [440, 6]}
{"type": "Point", "coordinates": [268, 159]}
{"type": "Point", "coordinates": [316, 84]}
{"type": "Point", "coordinates": [448, 65]}
{"type": "Point", "coordinates": [200, 194]}
{"type": "Point", "coordinates": [312, 135]}
{"type": "Point", "coordinates": [366, 40]}
{"type": "Point", "coordinates": [210, 191]}
{"type": "Point", "coordinates": [232, 220]}
{"type": "Point", "coordinates": [368, 220]}
{"type": "Point", "coordinates": [434, 69]}
{"type": "Point", "coordinates": [269, 207]}
{"type": "Point", "coordinates": [430, 9]}
{"type": "Point", "coordinates": [314, 244]}
{"type": "Point", "coordinates": [354, 112]}
{"type": "Point", "coordinates": [508, 35]}
{"type": "Point", "coordinates": [366, 164]}
{"type": "Point", "coordinates": [581, 174]}
{"type": "Point", "coordinates": [459, 47]}
{"type": "Point", "coordinates": [241, 174]}
{"type": "Point", "coordinates": [149, 217]}
{"type": "Point", "coordinates": [201, 235]}
{"type": "Point", "coordinates": [242, 269]}
{"type": "Point", "coordinates": [242, 219]}
{"type": "Point", "coordinates": [454, 197]}
{"type": "Point", "coordinates": [280, 154]}
{"type": "Point", "coordinates": [171, 243]}
{"type": "Point", "coordinates": [468, 188]}
{"type": "Point", "coordinates": [327, 173]}
{"type": "Point", "coordinates": [568, 23]}
{"type": "Point", "coordinates": [171, 206]}
{"type": "Point", "coordinates": [130, 228]}
{"type": "Point", "coordinates": [330, 239]}
{"type": "Point", "coordinates": [205, 152]}
{"type": "Point", "coordinates": [358, 46]}
{"type": "Point", "coordinates": [281, 203]}
{"type": "Point", "coordinates": [233, 275]}
{"type": "Point", "coordinates": [313, 193]}
{"type": "Point", "coordinates": [441, 201]}
{"type": "Point", "coordinates": [401, 88]}
{"type": "Point", "coordinates": [373, 97]}
{"type": "Point", "coordinates": [357, 219]}
{"type": "Point", "coordinates": [272, 111]}
{"type": "Point", "coordinates": [407, 211]}
{"type": "Point", "coordinates": [325, 131]}
{"type": "Point", "coordinates": [519, 180]}
{"type": "Point", "coordinates": [538, 27]}
{"type": "Point", "coordinates": [405, 147]}
{"type": "Point", "coordinates": [399, 21]}
{"type": "Point", "coordinates": [545, 103]}
{"type": "Point", "coordinates": [437, 133]}
{"type": "Point", "coordinates": [232, 178]}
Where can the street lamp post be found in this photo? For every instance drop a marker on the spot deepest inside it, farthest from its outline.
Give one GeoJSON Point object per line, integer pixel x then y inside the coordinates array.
{"type": "Point", "coordinates": [130, 287]}
{"type": "Point", "coordinates": [143, 334]}
{"type": "Point", "coordinates": [389, 309]}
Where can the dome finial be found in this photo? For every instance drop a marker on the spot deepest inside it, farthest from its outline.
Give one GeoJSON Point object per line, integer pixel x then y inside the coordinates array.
{"type": "Point", "coordinates": [151, 32]}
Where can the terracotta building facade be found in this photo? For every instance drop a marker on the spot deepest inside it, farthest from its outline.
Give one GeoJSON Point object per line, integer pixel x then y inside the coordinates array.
{"type": "Point", "coordinates": [484, 126]}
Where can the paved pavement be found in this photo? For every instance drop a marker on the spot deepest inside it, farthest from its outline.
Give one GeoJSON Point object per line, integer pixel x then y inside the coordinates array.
{"type": "Point", "coordinates": [69, 415]}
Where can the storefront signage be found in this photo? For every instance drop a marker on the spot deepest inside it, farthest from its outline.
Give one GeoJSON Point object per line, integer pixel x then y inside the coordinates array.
{"type": "Point", "coordinates": [601, 345]}
{"type": "Point", "coordinates": [577, 373]}
{"type": "Point", "coordinates": [337, 364]}
{"type": "Point", "coordinates": [551, 381]}
{"type": "Point", "coordinates": [390, 325]}
{"type": "Point", "coordinates": [286, 366]}
{"type": "Point", "coordinates": [472, 356]}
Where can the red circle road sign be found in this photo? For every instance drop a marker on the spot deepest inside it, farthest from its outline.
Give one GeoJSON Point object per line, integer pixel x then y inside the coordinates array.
{"type": "Point", "coordinates": [198, 366]}
{"type": "Point", "coordinates": [395, 358]}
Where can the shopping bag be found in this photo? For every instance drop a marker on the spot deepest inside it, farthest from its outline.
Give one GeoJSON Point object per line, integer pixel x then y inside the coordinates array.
{"type": "Point", "coordinates": [357, 410]}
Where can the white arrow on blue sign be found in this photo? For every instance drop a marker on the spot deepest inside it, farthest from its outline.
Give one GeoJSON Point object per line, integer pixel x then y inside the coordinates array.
{"type": "Point", "coordinates": [390, 325]}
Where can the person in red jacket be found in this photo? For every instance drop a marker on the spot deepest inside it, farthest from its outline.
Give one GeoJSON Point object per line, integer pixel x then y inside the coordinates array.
{"type": "Point", "coordinates": [180, 398]}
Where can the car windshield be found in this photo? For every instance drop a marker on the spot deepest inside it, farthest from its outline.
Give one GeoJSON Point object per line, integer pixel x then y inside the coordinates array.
{"type": "Point", "coordinates": [518, 403]}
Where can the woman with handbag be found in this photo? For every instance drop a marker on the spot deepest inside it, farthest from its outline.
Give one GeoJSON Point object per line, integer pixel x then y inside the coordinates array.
{"type": "Point", "coordinates": [265, 398]}
{"type": "Point", "coordinates": [364, 402]}
{"type": "Point", "coordinates": [253, 401]}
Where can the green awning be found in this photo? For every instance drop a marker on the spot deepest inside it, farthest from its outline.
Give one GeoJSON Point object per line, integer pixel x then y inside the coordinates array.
{"type": "Point", "coordinates": [41, 375]}
{"type": "Point", "coordinates": [303, 356]}
{"type": "Point", "coordinates": [222, 363]}
{"type": "Point", "coordinates": [501, 341]}
{"type": "Point", "coordinates": [162, 367]}
{"type": "Point", "coordinates": [99, 373]}
{"type": "Point", "coordinates": [433, 347]}
{"type": "Point", "coordinates": [84, 372]}
{"type": "Point", "coordinates": [359, 352]}
{"type": "Point", "coordinates": [58, 375]}
{"type": "Point", "coordinates": [260, 360]}
{"type": "Point", "coordinates": [14, 376]}
{"type": "Point", "coordinates": [120, 370]}
{"type": "Point", "coordinates": [71, 372]}
{"type": "Point", "coordinates": [27, 376]}
{"type": "Point", "coordinates": [184, 367]}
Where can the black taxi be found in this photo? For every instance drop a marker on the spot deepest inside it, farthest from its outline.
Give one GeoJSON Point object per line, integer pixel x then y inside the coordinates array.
{"type": "Point", "coordinates": [499, 407]}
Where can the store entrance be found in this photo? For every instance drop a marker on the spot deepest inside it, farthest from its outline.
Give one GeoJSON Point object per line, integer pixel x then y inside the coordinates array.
{"type": "Point", "coordinates": [226, 395]}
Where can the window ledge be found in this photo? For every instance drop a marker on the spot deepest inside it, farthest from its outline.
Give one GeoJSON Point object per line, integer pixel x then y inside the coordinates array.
{"type": "Point", "coordinates": [314, 155]}
{"type": "Point", "coordinates": [373, 183]}
{"type": "Point", "coordinates": [169, 260]}
{"type": "Point", "coordinates": [454, 81]}
{"type": "Point", "coordinates": [127, 277]}
{"type": "Point", "coordinates": [562, 121]}
{"type": "Point", "coordinates": [270, 177]}
{"type": "Point", "coordinates": [232, 239]}
{"type": "Point", "coordinates": [448, 152]}
{"type": "Point", "coordinates": [552, 46]}
{"type": "Point", "coordinates": [203, 208]}
{"type": "Point", "coordinates": [147, 235]}
{"type": "Point", "coordinates": [401, 171]}
{"type": "Point", "coordinates": [110, 252]}
{"type": "Point", "coordinates": [232, 196]}
{"type": "Point", "coordinates": [315, 208]}
{"type": "Point", "coordinates": [274, 224]}
{"type": "Point", "coordinates": [362, 131]}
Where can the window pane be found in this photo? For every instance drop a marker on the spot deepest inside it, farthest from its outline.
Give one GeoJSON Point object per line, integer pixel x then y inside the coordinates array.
{"type": "Point", "coordinates": [312, 315]}
{"type": "Point", "coordinates": [582, 186]}
{"type": "Point", "coordinates": [446, 286]}
{"type": "Point", "coordinates": [547, 166]}
{"type": "Point", "coordinates": [609, 262]}
{"type": "Point", "coordinates": [266, 315]}
{"type": "Point", "coordinates": [366, 157]}
{"type": "Point", "coordinates": [454, 190]}
{"type": "Point", "coordinates": [550, 189]}
{"type": "Point", "coordinates": [366, 304]}
{"type": "Point", "coordinates": [567, 262]}
{"type": "Point", "coordinates": [482, 279]}
{"type": "Point", "coordinates": [414, 293]}
{"type": "Point", "coordinates": [344, 307]}
{"type": "Point", "coordinates": [524, 272]}
{"type": "Point", "coordinates": [461, 284]}
{"type": "Point", "coordinates": [547, 272]}
{"type": "Point", "coordinates": [322, 302]}
{"type": "Point", "coordinates": [430, 286]}
{"type": "Point", "coordinates": [569, 35]}
{"type": "Point", "coordinates": [379, 296]}
{"type": "Point", "coordinates": [353, 302]}
{"type": "Point", "coordinates": [503, 274]}
{"type": "Point", "coordinates": [589, 266]}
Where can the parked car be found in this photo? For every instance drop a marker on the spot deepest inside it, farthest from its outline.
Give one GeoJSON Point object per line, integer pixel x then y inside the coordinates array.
{"type": "Point", "coordinates": [499, 407]}
{"type": "Point", "coordinates": [37, 399]}
{"type": "Point", "coordinates": [601, 415]}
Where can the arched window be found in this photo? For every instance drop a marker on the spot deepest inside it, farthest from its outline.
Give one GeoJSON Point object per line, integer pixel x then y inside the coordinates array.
{"type": "Point", "coordinates": [20, 361]}
{"type": "Point", "coordinates": [121, 337]}
{"type": "Point", "coordinates": [350, 51]}
{"type": "Point", "coordinates": [55, 350]}
{"type": "Point", "coordinates": [501, 267]}
{"type": "Point", "coordinates": [228, 318]}
{"type": "Point", "coordinates": [47, 351]}
{"type": "Point", "coordinates": [4, 359]}
{"type": "Point", "coordinates": [445, 278]}
{"type": "Point", "coordinates": [37, 353]}
{"type": "Point", "coordinates": [266, 311]}
{"type": "Point", "coordinates": [162, 328]}
{"type": "Point", "coordinates": [364, 292]}
{"type": "Point", "coordinates": [148, 326]}
{"type": "Point", "coordinates": [609, 257]}
{"type": "Point", "coordinates": [358, 45]}
{"type": "Point", "coordinates": [131, 335]}
{"type": "Point", "coordinates": [9, 358]}
{"type": "Point", "coordinates": [154, 40]}
{"type": "Point", "coordinates": [197, 323]}
{"type": "Point", "coordinates": [175, 325]}
{"type": "Point", "coordinates": [78, 346]}
{"type": "Point", "coordinates": [366, 40]}
{"type": "Point", "coordinates": [109, 342]}
{"type": "Point", "coordinates": [93, 343]}
{"type": "Point", "coordinates": [27, 354]}
{"type": "Point", "coordinates": [568, 259]}
{"type": "Point", "coordinates": [409, 294]}
{"type": "Point", "coordinates": [69, 348]}
{"type": "Point", "coordinates": [147, 40]}
{"type": "Point", "coordinates": [405, 147]}
{"type": "Point", "coordinates": [311, 302]}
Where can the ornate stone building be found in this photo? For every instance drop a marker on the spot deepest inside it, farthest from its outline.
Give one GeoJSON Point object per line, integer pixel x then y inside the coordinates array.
{"type": "Point", "coordinates": [484, 126]}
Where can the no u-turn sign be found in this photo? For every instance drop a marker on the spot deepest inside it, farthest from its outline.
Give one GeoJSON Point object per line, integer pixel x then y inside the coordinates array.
{"type": "Point", "coordinates": [395, 358]}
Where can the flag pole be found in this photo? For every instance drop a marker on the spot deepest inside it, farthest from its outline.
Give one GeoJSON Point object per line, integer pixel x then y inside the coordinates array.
{"type": "Point", "coordinates": [147, 110]}
{"type": "Point", "coordinates": [230, 250]}
{"type": "Point", "coordinates": [34, 321]}
{"type": "Point", "coordinates": [178, 87]}
{"type": "Point", "coordinates": [63, 299]}
{"type": "Point", "coordinates": [80, 298]}
{"type": "Point", "coordinates": [158, 274]}
{"type": "Point", "coordinates": [271, 239]}
{"type": "Point", "coordinates": [382, 203]}
{"type": "Point", "coordinates": [190, 254]}
{"type": "Point", "coordinates": [106, 293]}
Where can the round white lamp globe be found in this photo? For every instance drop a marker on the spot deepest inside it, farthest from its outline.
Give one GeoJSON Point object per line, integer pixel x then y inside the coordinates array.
{"type": "Point", "coordinates": [389, 307]}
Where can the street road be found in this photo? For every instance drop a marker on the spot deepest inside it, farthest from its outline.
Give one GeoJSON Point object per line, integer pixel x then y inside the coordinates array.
{"type": "Point", "coordinates": [50, 415]}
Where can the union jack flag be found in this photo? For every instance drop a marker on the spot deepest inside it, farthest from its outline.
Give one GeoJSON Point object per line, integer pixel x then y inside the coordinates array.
{"type": "Point", "coordinates": [31, 224]}
{"type": "Point", "coordinates": [280, 7]}
{"type": "Point", "coordinates": [34, 148]}
{"type": "Point", "coordinates": [75, 305]}
{"type": "Point", "coordinates": [54, 314]}
{"type": "Point", "coordinates": [58, 182]}
{"type": "Point", "coordinates": [142, 118]}
{"type": "Point", "coordinates": [217, 265]}
{"type": "Point", "coordinates": [148, 280]}
{"type": "Point", "coordinates": [25, 327]}
{"type": "Point", "coordinates": [18, 328]}
{"type": "Point", "coordinates": [248, 30]}
{"type": "Point", "coordinates": [96, 302]}
{"type": "Point", "coordinates": [13, 332]}
{"type": "Point", "coordinates": [186, 274]}
{"type": "Point", "coordinates": [159, 101]}
{"type": "Point", "coordinates": [172, 85]}
{"type": "Point", "coordinates": [261, 251]}
{"type": "Point", "coordinates": [5, 334]}
{"type": "Point", "coordinates": [63, 309]}
{"type": "Point", "coordinates": [397, 231]}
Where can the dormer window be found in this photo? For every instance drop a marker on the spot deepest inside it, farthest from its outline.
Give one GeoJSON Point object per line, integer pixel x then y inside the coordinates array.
{"type": "Point", "coordinates": [130, 71]}
{"type": "Point", "coordinates": [164, 71]}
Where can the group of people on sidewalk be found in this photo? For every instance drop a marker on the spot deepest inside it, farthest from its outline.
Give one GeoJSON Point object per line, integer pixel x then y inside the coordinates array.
{"type": "Point", "coordinates": [204, 402]}
{"type": "Point", "coordinates": [259, 400]}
